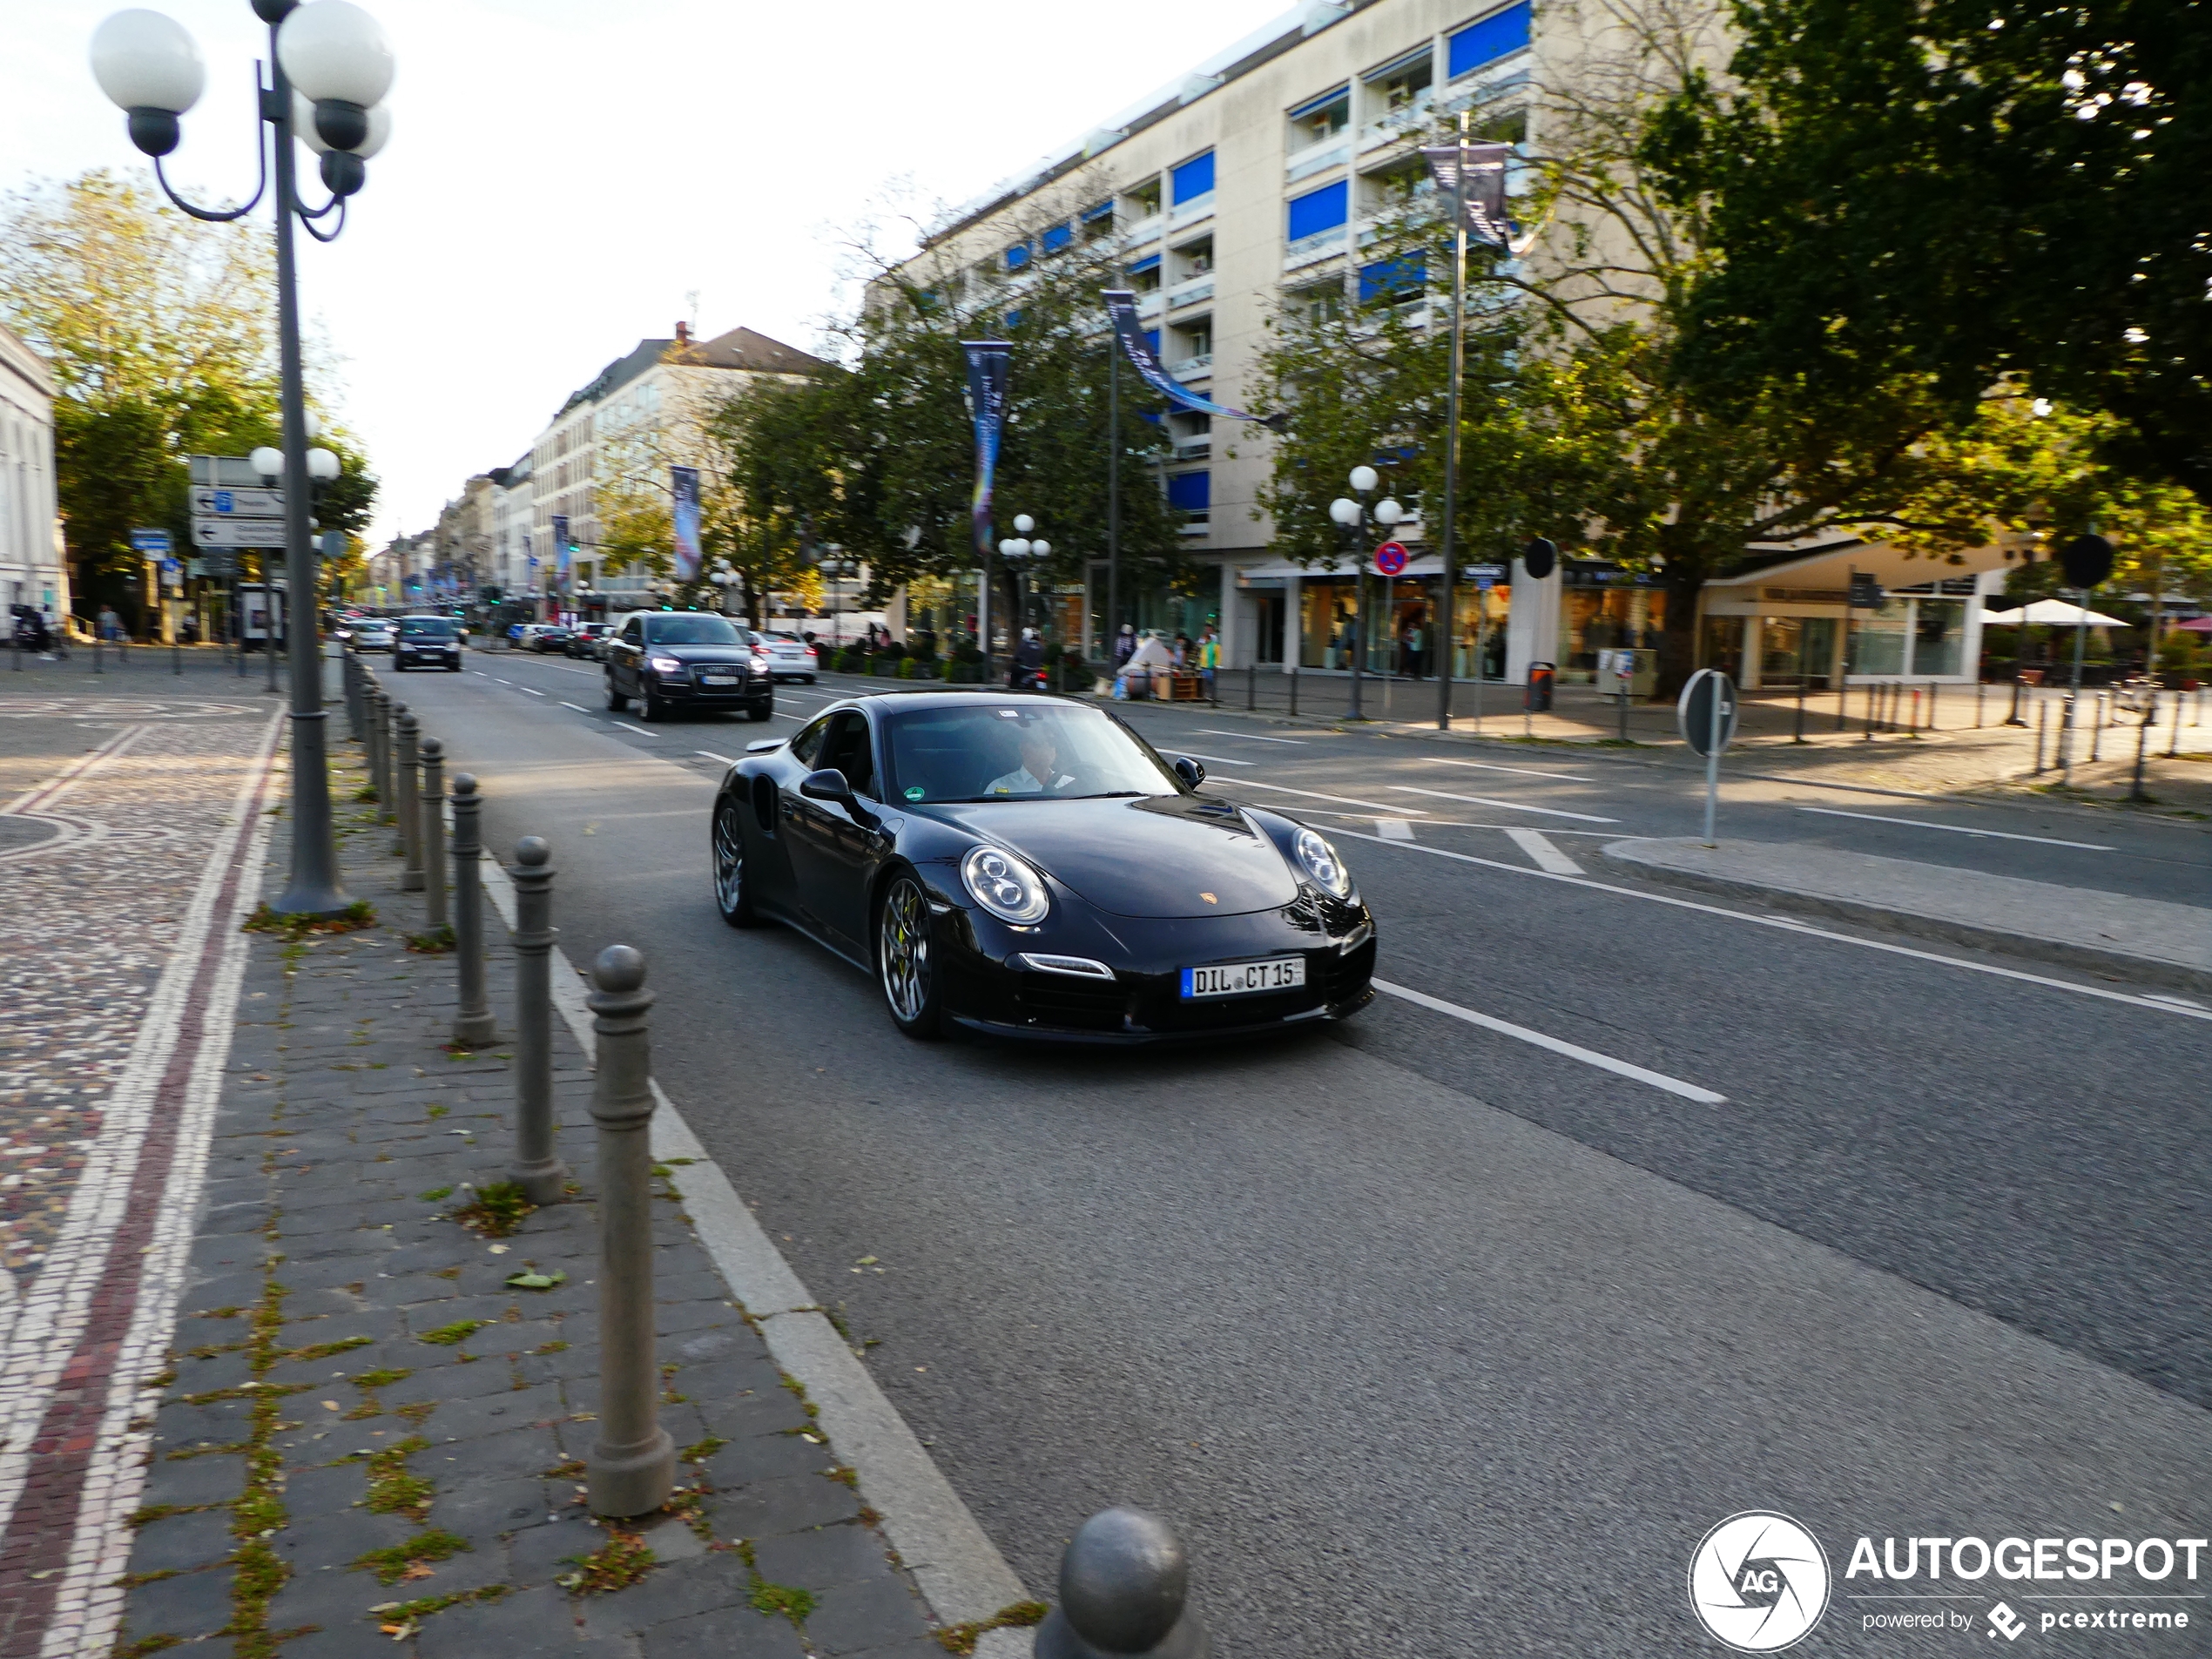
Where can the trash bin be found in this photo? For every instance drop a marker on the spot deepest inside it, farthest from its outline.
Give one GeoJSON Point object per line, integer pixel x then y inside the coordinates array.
{"type": "Point", "coordinates": [1536, 695]}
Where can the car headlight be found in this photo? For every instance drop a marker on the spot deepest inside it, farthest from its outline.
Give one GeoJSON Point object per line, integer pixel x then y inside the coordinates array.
{"type": "Point", "coordinates": [1003, 885]}
{"type": "Point", "coordinates": [1319, 860]}
{"type": "Point", "coordinates": [666, 665]}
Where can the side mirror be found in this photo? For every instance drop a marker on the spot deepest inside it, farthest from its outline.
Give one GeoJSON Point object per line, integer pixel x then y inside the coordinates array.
{"type": "Point", "coordinates": [826, 784]}
{"type": "Point", "coordinates": [1188, 770]}
{"type": "Point", "coordinates": [761, 745]}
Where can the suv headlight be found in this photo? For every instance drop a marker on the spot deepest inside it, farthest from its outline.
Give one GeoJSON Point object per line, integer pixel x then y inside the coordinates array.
{"type": "Point", "coordinates": [1004, 886]}
{"type": "Point", "coordinates": [666, 665]}
{"type": "Point", "coordinates": [1320, 862]}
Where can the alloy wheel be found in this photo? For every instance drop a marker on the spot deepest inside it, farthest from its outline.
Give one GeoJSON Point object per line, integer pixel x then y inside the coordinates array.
{"type": "Point", "coordinates": [903, 951]}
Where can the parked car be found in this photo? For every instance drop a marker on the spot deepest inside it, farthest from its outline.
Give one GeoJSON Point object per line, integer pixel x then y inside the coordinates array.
{"type": "Point", "coordinates": [668, 660]}
{"type": "Point", "coordinates": [541, 636]}
{"type": "Point", "coordinates": [428, 642]}
{"type": "Point", "coordinates": [1030, 866]}
{"type": "Point", "coordinates": [789, 657]}
{"type": "Point", "coordinates": [375, 634]}
{"type": "Point", "coordinates": [584, 639]}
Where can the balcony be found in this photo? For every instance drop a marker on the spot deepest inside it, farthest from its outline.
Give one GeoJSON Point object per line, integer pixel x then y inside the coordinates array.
{"type": "Point", "coordinates": [1193, 368]}
{"type": "Point", "coordinates": [1148, 305]}
{"type": "Point", "coordinates": [1192, 212]}
{"type": "Point", "coordinates": [1144, 230]}
{"type": "Point", "coordinates": [1393, 125]}
{"type": "Point", "coordinates": [1196, 522]}
{"type": "Point", "coordinates": [1311, 250]}
{"type": "Point", "coordinates": [1190, 293]}
{"type": "Point", "coordinates": [1193, 449]}
{"type": "Point", "coordinates": [1332, 151]}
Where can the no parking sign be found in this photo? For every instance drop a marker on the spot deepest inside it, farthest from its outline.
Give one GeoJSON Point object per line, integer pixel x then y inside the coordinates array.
{"type": "Point", "coordinates": [1390, 558]}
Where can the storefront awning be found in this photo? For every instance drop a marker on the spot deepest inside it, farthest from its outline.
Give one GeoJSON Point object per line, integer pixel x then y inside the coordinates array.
{"type": "Point", "coordinates": [2049, 612]}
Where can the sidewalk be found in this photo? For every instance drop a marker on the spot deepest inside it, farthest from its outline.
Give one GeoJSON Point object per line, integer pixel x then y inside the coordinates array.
{"type": "Point", "coordinates": [2138, 939]}
{"type": "Point", "coordinates": [365, 1437]}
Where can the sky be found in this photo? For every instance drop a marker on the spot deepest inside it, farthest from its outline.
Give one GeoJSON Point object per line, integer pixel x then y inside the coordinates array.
{"type": "Point", "coordinates": [563, 175]}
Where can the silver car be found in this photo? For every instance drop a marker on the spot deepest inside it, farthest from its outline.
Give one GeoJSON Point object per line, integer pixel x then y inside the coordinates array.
{"type": "Point", "coordinates": [789, 657]}
{"type": "Point", "coordinates": [374, 635]}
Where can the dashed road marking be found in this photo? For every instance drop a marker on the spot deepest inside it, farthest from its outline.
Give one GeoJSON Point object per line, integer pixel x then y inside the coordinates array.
{"type": "Point", "coordinates": [639, 729]}
{"type": "Point", "coordinates": [1529, 771]}
{"type": "Point", "coordinates": [1510, 805]}
{"type": "Point", "coordinates": [1571, 1050]}
{"type": "Point", "coordinates": [1212, 760]}
{"type": "Point", "coordinates": [1249, 736]}
{"type": "Point", "coordinates": [1548, 857]}
{"type": "Point", "coordinates": [710, 755]}
{"type": "Point", "coordinates": [1342, 800]}
{"type": "Point", "coordinates": [1393, 829]}
{"type": "Point", "coordinates": [1957, 829]}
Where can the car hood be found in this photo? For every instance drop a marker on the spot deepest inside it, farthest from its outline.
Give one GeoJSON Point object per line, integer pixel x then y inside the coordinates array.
{"type": "Point", "coordinates": [1170, 856]}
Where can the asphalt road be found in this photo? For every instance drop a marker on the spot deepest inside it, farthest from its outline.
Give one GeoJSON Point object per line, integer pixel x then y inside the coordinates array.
{"type": "Point", "coordinates": [1431, 1338]}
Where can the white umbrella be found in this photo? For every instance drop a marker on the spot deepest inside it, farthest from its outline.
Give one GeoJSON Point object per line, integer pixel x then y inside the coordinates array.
{"type": "Point", "coordinates": [2055, 612]}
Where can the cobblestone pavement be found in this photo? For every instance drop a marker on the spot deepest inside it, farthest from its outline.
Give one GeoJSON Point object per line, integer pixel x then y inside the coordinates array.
{"type": "Point", "coordinates": [363, 1437]}
{"type": "Point", "coordinates": [130, 869]}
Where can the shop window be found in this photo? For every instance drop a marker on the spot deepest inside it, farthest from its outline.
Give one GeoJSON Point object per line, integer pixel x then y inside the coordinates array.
{"type": "Point", "coordinates": [1939, 636]}
{"type": "Point", "coordinates": [1877, 638]}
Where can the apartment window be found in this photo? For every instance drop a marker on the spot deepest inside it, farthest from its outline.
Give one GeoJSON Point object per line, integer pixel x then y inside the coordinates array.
{"type": "Point", "coordinates": [1097, 220]}
{"type": "Point", "coordinates": [1319, 119]}
{"type": "Point", "coordinates": [1056, 238]}
{"type": "Point", "coordinates": [1397, 191]}
{"type": "Point", "coordinates": [1144, 275]}
{"type": "Point", "coordinates": [1499, 35]}
{"type": "Point", "coordinates": [1403, 85]}
{"type": "Point", "coordinates": [1319, 210]}
{"type": "Point", "coordinates": [1193, 179]}
{"type": "Point", "coordinates": [1395, 281]}
{"type": "Point", "coordinates": [1190, 492]}
{"type": "Point", "coordinates": [1319, 305]}
{"type": "Point", "coordinates": [1194, 340]}
{"type": "Point", "coordinates": [1196, 259]}
{"type": "Point", "coordinates": [1144, 200]}
{"type": "Point", "coordinates": [1017, 256]}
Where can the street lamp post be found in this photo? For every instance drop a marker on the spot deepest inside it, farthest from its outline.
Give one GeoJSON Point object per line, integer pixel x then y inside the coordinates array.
{"type": "Point", "coordinates": [1022, 553]}
{"type": "Point", "coordinates": [723, 579]}
{"type": "Point", "coordinates": [330, 69]}
{"type": "Point", "coordinates": [1352, 515]}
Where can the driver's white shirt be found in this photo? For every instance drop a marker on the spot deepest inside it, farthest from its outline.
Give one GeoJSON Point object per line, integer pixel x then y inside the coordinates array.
{"type": "Point", "coordinates": [1019, 782]}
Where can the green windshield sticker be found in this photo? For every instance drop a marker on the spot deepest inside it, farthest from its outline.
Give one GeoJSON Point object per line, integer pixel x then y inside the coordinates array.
{"type": "Point", "coordinates": [914, 793]}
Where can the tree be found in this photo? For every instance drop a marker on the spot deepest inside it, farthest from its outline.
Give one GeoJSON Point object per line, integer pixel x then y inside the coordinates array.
{"type": "Point", "coordinates": [1970, 191]}
{"type": "Point", "coordinates": [160, 329]}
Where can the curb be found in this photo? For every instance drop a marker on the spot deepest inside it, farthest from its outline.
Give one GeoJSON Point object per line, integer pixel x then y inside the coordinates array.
{"type": "Point", "coordinates": [959, 1570]}
{"type": "Point", "coordinates": [2142, 969]}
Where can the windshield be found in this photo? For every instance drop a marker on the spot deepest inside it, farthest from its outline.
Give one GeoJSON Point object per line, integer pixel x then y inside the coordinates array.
{"type": "Point", "coordinates": [690, 631]}
{"type": "Point", "coordinates": [426, 627]}
{"type": "Point", "coordinates": [1034, 753]}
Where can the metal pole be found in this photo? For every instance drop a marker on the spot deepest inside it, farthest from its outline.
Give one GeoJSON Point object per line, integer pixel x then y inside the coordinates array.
{"type": "Point", "coordinates": [430, 832]}
{"type": "Point", "coordinates": [472, 1022]}
{"type": "Point", "coordinates": [536, 1168]}
{"type": "Point", "coordinates": [2066, 740]}
{"type": "Point", "coordinates": [314, 888]}
{"type": "Point", "coordinates": [1713, 761]}
{"type": "Point", "coordinates": [1798, 735]}
{"type": "Point", "coordinates": [632, 1465]}
{"type": "Point", "coordinates": [2174, 742]}
{"type": "Point", "coordinates": [1981, 689]}
{"type": "Point", "coordinates": [380, 746]}
{"type": "Point", "coordinates": [1359, 616]}
{"type": "Point", "coordinates": [1452, 446]}
{"type": "Point", "coordinates": [1869, 713]}
{"type": "Point", "coordinates": [1113, 497]}
{"type": "Point", "coordinates": [2066, 730]}
{"type": "Point", "coordinates": [408, 842]}
{"type": "Point", "coordinates": [1932, 689]}
{"type": "Point", "coordinates": [2042, 722]}
{"type": "Point", "coordinates": [1251, 681]}
{"type": "Point", "coordinates": [2142, 743]}
{"type": "Point", "coordinates": [2097, 729]}
{"type": "Point", "coordinates": [269, 630]}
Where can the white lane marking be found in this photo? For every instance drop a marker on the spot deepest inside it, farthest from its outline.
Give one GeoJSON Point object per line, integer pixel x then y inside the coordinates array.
{"type": "Point", "coordinates": [579, 707]}
{"type": "Point", "coordinates": [1572, 1050]}
{"type": "Point", "coordinates": [710, 755]}
{"type": "Point", "coordinates": [532, 690]}
{"type": "Point", "coordinates": [1510, 805]}
{"type": "Point", "coordinates": [494, 677]}
{"type": "Point", "coordinates": [1249, 736]}
{"type": "Point", "coordinates": [1957, 829]}
{"type": "Point", "coordinates": [1548, 857]}
{"type": "Point", "coordinates": [1393, 829]}
{"type": "Point", "coordinates": [2148, 1000]}
{"type": "Point", "coordinates": [1346, 800]}
{"type": "Point", "coordinates": [639, 729]}
{"type": "Point", "coordinates": [2179, 1001]}
{"type": "Point", "coordinates": [1212, 760]}
{"type": "Point", "coordinates": [1529, 771]}
{"type": "Point", "coordinates": [780, 715]}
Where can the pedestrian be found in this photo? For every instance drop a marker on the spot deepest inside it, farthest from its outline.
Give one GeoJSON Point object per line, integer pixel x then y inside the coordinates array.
{"type": "Point", "coordinates": [1414, 645]}
{"type": "Point", "coordinates": [1208, 657]}
{"type": "Point", "coordinates": [1125, 646]}
{"type": "Point", "coordinates": [1029, 662]}
{"type": "Point", "coordinates": [111, 625]}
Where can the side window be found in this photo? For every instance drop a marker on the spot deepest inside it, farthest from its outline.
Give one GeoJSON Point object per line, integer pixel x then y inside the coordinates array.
{"type": "Point", "coordinates": [808, 743]}
{"type": "Point", "coordinates": [633, 632]}
{"type": "Point", "coordinates": [852, 752]}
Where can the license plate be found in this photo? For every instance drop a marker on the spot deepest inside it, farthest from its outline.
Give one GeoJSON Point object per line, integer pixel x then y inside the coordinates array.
{"type": "Point", "coordinates": [1243, 979]}
{"type": "Point", "coordinates": [717, 679]}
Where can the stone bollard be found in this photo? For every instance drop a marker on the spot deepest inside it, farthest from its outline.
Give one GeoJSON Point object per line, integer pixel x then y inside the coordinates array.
{"type": "Point", "coordinates": [632, 1464]}
{"type": "Point", "coordinates": [430, 832]}
{"type": "Point", "coordinates": [472, 1022]}
{"type": "Point", "coordinates": [379, 707]}
{"type": "Point", "coordinates": [408, 841]}
{"type": "Point", "coordinates": [1124, 1581]}
{"type": "Point", "coordinates": [536, 1168]}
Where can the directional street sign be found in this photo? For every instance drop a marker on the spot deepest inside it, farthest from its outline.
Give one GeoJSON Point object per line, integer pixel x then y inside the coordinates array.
{"type": "Point", "coordinates": [153, 543]}
{"type": "Point", "coordinates": [238, 503]}
{"type": "Point", "coordinates": [218, 564]}
{"type": "Point", "coordinates": [237, 532]}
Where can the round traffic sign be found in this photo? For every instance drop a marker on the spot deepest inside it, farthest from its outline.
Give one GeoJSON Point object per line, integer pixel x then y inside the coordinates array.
{"type": "Point", "coordinates": [1706, 712]}
{"type": "Point", "coordinates": [1390, 558]}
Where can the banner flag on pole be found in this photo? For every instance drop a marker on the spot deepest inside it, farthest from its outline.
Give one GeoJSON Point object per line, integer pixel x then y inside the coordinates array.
{"type": "Point", "coordinates": [988, 363]}
{"type": "Point", "coordinates": [561, 543]}
{"type": "Point", "coordinates": [1121, 307]}
{"type": "Point", "coordinates": [684, 513]}
{"type": "Point", "coordinates": [1485, 186]}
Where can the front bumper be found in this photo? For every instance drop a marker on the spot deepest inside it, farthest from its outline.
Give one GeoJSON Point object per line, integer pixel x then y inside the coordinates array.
{"type": "Point", "coordinates": [751, 692]}
{"type": "Point", "coordinates": [985, 988]}
{"type": "Point", "coordinates": [412, 656]}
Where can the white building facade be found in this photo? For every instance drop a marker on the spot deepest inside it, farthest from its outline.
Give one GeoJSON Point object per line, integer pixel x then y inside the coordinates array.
{"type": "Point", "coordinates": [33, 570]}
{"type": "Point", "coordinates": [1246, 191]}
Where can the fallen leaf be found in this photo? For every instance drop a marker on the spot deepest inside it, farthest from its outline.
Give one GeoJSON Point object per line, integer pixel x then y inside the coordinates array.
{"type": "Point", "coordinates": [499, 1249]}
{"type": "Point", "coordinates": [867, 1261]}
{"type": "Point", "coordinates": [330, 1405]}
{"type": "Point", "coordinates": [419, 1570]}
{"type": "Point", "coordinates": [535, 1281]}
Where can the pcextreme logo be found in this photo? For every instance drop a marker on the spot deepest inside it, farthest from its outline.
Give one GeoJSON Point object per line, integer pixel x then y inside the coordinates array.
{"type": "Point", "coordinates": [1758, 1581]}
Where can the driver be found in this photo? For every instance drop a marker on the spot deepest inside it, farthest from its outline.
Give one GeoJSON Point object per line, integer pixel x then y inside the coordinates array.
{"type": "Point", "coordinates": [1039, 774]}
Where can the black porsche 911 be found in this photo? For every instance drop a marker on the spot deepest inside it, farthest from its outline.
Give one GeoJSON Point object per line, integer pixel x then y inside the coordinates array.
{"type": "Point", "coordinates": [1028, 866]}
